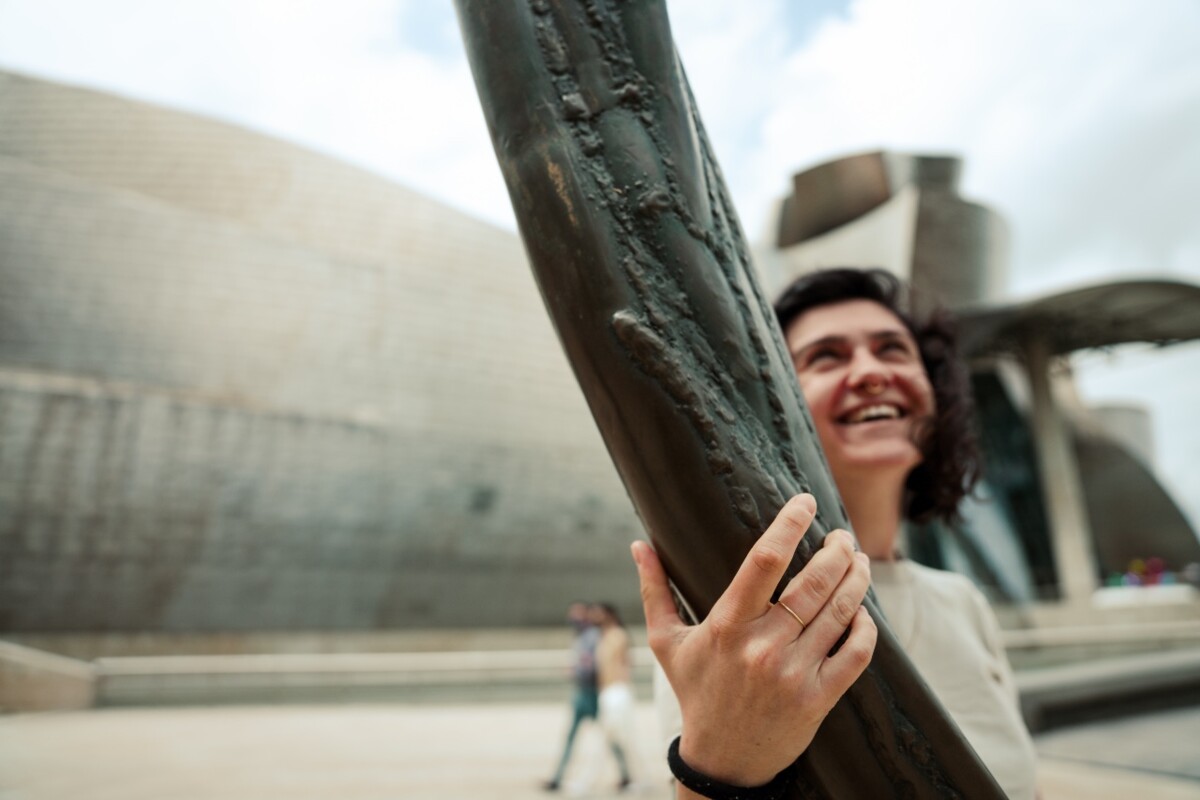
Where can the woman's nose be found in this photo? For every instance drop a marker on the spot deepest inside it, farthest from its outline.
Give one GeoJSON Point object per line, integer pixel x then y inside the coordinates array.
{"type": "Point", "coordinates": [867, 373]}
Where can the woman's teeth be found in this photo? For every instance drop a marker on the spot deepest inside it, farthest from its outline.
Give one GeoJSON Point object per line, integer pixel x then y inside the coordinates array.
{"type": "Point", "coordinates": [872, 413]}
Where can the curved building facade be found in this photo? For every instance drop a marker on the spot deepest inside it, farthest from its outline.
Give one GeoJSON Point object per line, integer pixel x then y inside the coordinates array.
{"type": "Point", "coordinates": [247, 387]}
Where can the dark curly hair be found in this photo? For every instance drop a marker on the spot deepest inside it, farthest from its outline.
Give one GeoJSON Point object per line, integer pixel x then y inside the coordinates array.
{"type": "Point", "coordinates": [951, 465]}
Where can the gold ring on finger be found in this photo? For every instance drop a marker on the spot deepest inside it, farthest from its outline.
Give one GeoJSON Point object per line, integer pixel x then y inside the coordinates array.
{"type": "Point", "coordinates": [795, 616]}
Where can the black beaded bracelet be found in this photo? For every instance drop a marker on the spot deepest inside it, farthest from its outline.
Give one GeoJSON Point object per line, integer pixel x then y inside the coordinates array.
{"type": "Point", "coordinates": [703, 785]}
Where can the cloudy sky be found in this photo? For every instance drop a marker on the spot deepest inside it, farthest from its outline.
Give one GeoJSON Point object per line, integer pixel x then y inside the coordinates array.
{"type": "Point", "coordinates": [1077, 119]}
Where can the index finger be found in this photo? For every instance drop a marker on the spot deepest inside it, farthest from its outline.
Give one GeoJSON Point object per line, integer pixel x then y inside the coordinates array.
{"type": "Point", "coordinates": [751, 588]}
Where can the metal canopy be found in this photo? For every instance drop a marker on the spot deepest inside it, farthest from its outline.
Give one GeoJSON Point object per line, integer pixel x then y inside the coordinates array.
{"type": "Point", "coordinates": [1157, 311]}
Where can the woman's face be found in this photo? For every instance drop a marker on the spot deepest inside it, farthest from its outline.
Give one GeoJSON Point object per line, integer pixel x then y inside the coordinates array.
{"type": "Point", "coordinates": [862, 377]}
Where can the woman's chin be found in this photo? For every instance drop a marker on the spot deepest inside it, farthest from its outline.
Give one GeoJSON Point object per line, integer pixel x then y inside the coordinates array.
{"type": "Point", "coordinates": [884, 458]}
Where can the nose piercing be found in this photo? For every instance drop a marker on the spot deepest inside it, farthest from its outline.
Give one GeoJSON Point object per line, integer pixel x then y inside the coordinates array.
{"type": "Point", "coordinates": [873, 388]}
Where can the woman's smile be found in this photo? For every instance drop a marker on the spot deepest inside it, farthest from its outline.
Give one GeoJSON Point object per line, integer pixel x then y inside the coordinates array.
{"type": "Point", "coordinates": [861, 374]}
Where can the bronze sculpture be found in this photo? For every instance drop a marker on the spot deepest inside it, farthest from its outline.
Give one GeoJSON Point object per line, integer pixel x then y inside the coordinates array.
{"type": "Point", "coordinates": [642, 265]}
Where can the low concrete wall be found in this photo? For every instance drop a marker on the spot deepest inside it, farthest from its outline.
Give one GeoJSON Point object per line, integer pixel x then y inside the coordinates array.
{"type": "Point", "coordinates": [1071, 694]}
{"type": "Point", "coordinates": [463, 676]}
{"type": "Point", "coordinates": [408, 666]}
{"type": "Point", "coordinates": [32, 680]}
{"type": "Point", "coordinates": [1068, 676]}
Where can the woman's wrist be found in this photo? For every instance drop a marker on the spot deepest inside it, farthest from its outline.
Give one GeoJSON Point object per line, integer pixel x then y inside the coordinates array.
{"type": "Point", "coordinates": [719, 762]}
{"type": "Point", "coordinates": [737, 784]}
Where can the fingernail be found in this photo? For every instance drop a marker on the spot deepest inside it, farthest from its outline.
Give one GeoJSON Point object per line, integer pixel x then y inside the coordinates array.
{"type": "Point", "coordinates": [636, 552]}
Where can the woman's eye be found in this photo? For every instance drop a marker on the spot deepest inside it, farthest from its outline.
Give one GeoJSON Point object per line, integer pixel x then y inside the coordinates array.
{"type": "Point", "coordinates": [823, 355]}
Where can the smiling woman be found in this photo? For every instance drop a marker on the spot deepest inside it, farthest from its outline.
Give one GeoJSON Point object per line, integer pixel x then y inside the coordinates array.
{"type": "Point", "coordinates": [862, 355]}
{"type": "Point", "coordinates": [891, 406]}
{"type": "Point", "coordinates": [860, 371]}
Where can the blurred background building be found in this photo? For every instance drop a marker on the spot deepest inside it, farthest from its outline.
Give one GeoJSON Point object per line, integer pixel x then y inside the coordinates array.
{"type": "Point", "coordinates": [247, 389]}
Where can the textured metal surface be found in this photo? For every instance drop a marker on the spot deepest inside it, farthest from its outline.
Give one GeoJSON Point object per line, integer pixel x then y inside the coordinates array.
{"type": "Point", "coordinates": [245, 387]}
{"type": "Point", "coordinates": [644, 270]}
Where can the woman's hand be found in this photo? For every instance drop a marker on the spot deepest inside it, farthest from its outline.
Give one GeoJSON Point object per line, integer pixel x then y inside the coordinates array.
{"type": "Point", "coordinates": [754, 684]}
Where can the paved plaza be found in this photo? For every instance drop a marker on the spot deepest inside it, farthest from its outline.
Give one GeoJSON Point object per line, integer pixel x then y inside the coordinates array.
{"type": "Point", "coordinates": [493, 750]}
